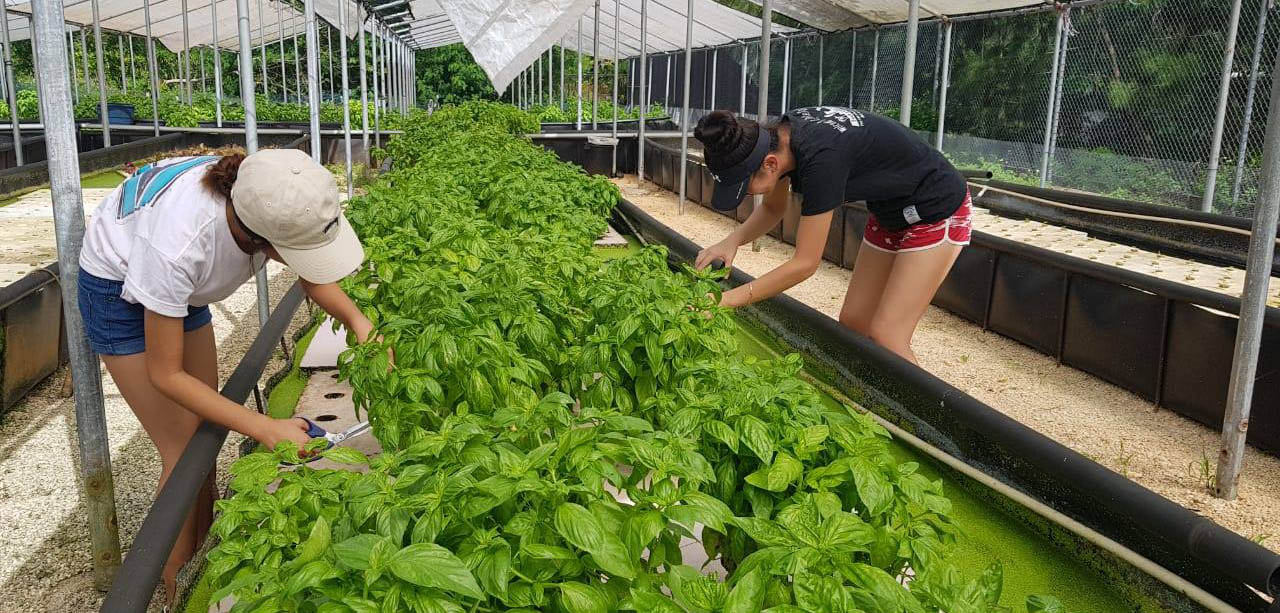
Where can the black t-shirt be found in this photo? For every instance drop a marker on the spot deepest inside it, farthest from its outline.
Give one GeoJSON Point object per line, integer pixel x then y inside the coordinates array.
{"type": "Point", "coordinates": [845, 155]}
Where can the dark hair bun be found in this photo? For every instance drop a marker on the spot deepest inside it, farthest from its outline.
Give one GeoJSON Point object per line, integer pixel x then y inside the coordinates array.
{"type": "Point", "coordinates": [719, 131]}
{"type": "Point", "coordinates": [726, 139]}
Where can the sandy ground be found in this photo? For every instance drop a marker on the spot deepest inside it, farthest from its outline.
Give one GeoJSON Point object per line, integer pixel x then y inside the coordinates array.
{"type": "Point", "coordinates": [1158, 449]}
{"type": "Point", "coordinates": [44, 552]}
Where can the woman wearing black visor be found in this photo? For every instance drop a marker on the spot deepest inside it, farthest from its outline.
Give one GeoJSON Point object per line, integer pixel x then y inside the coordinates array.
{"type": "Point", "coordinates": [919, 207]}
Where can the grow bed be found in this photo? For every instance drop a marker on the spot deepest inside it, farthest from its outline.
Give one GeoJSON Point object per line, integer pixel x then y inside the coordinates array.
{"type": "Point", "coordinates": [1202, 552]}
{"type": "Point", "coordinates": [527, 371]}
{"type": "Point", "coordinates": [1167, 338]}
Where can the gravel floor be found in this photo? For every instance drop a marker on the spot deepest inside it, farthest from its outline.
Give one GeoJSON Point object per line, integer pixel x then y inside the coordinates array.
{"type": "Point", "coordinates": [1158, 449]}
{"type": "Point", "coordinates": [44, 553]}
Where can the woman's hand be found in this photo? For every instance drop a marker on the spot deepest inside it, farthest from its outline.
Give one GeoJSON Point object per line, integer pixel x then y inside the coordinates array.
{"type": "Point", "coordinates": [273, 431]}
{"type": "Point", "coordinates": [724, 251]}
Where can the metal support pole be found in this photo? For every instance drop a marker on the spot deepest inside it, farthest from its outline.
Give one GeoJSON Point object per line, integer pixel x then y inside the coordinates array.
{"type": "Point", "coordinates": [563, 104]}
{"type": "Point", "coordinates": [152, 69]}
{"type": "Point", "coordinates": [133, 69]}
{"type": "Point", "coordinates": [578, 55]}
{"type": "Point", "coordinates": [100, 51]}
{"type": "Point", "coordinates": [297, 68]}
{"type": "Point", "coordinates": [937, 63]}
{"type": "Point", "coordinates": [313, 77]}
{"type": "Point", "coordinates": [202, 71]}
{"type": "Point", "coordinates": [217, 66]}
{"type": "Point", "coordinates": [68, 222]}
{"type": "Point", "coordinates": [909, 63]}
{"type": "Point", "coordinates": [617, 10]}
{"type": "Point", "coordinates": [1220, 119]}
{"type": "Point", "coordinates": [84, 53]}
{"type": "Point", "coordinates": [684, 106]}
{"type": "Point", "coordinates": [262, 37]}
{"type": "Point", "coordinates": [551, 75]}
{"type": "Point", "coordinates": [186, 54]}
{"type": "Point", "coordinates": [875, 69]}
{"type": "Point", "coordinates": [1057, 94]}
{"type": "Point", "coordinates": [666, 82]}
{"type": "Point", "coordinates": [71, 53]}
{"type": "Point", "coordinates": [766, 28]}
{"type": "Point", "coordinates": [377, 104]}
{"type": "Point", "coordinates": [364, 95]}
{"type": "Point", "coordinates": [821, 52]}
{"type": "Point", "coordinates": [786, 75]}
{"type": "Point", "coordinates": [124, 73]}
{"type": "Point", "coordinates": [343, 16]}
{"type": "Point", "coordinates": [251, 134]}
{"type": "Point", "coordinates": [284, 79]}
{"type": "Point", "coordinates": [11, 92]}
{"type": "Point", "coordinates": [328, 49]}
{"type": "Point", "coordinates": [1242, 150]}
{"type": "Point", "coordinates": [595, 68]}
{"type": "Point", "coordinates": [853, 57]}
{"type": "Point", "coordinates": [1053, 88]}
{"type": "Point", "coordinates": [536, 79]}
{"type": "Point", "coordinates": [644, 89]}
{"type": "Point", "coordinates": [946, 82]}
{"type": "Point", "coordinates": [742, 92]}
{"type": "Point", "coordinates": [715, 64]}
{"type": "Point", "coordinates": [1253, 306]}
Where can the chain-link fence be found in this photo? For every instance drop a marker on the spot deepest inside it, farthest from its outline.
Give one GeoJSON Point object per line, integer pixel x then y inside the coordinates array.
{"type": "Point", "coordinates": [1135, 84]}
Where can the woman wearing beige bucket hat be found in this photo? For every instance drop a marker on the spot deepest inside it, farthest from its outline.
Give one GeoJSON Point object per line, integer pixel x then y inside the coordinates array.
{"type": "Point", "coordinates": [178, 235]}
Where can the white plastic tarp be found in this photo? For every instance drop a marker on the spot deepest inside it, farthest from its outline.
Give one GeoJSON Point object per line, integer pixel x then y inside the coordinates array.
{"type": "Point", "coordinates": [268, 19]}
{"type": "Point", "coordinates": [832, 15]}
{"type": "Point", "coordinates": [504, 36]}
{"type": "Point", "coordinates": [431, 26]}
{"type": "Point", "coordinates": [713, 24]}
{"type": "Point", "coordinates": [20, 27]}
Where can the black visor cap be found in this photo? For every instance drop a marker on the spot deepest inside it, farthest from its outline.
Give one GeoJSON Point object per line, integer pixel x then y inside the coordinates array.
{"type": "Point", "coordinates": [731, 183]}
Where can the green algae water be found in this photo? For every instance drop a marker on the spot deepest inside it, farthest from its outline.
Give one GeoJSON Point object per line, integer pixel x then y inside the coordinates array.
{"type": "Point", "coordinates": [1032, 564]}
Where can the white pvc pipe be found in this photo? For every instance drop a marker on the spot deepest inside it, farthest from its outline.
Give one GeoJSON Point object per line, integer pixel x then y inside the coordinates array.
{"type": "Point", "coordinates": [1220, 118]}
{"type": "Point", "coordinates": [102, 81]}
{"type": "Point", "coordinates": [11, 90]}
{"type": "Point", "coordinates": [909, 63]}
{"type": "Point", "coordinates": [251, 136]}
{"type": "Point", "coordinates": [364, 96]}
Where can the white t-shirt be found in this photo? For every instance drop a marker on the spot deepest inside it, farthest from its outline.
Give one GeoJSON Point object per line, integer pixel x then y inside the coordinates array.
{"type": "Point", "coordinates": [166, 237]}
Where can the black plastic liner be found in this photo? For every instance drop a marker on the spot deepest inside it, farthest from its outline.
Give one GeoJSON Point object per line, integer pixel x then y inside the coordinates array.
{"type": "Point", "coordinates": [1148, 335]}
{"type": "Point", "coordinates": [1202, 552]}
{"type": "Point", "coordinates": [136, 580]}
{"type": "Point", "coordinates": [1164, 234]}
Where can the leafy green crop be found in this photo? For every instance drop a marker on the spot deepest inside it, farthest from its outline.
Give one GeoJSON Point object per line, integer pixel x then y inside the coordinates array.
{"type": "Point", "coordinates": [535, 386]}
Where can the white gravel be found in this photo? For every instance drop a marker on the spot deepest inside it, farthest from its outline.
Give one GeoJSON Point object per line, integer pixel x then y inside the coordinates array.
{"type": "Point", "coordinates": [45, 560]}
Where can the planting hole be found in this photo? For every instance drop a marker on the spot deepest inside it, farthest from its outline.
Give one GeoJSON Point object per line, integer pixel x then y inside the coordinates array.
{"type": "Point", "coordinates": [333, 376]}
{"type": "Point", "coordinates": [326, 417]}
{"type": "Point", "coordinates": [334, 395]}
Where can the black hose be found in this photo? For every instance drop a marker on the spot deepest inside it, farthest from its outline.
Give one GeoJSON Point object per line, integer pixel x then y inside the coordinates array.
{"type": "Point", "coordinates": [136, 580]}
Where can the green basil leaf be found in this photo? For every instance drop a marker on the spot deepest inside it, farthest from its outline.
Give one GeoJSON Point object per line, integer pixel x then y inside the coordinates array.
{"type": "Point", "coordinates": [430, 565]}
{"type": "Point", "coordinates": [1044, 604]}
{"type": "Point", "coordinates": [747, 595]}
{"type": "Point", "coordinates": [315, 545]}
{"type": "Point", "coordinates": [755, 434]}
{"type": "Point", "coordinates": [355, 552]}
{"type": "Point", "coordinates": [583, 530]}
{"type": "Point", "coordinates": [581, 598]}
{"type": "Point", "coordinates": [345, 455]}
{"type": "Point", "coordinates": [723, 433]}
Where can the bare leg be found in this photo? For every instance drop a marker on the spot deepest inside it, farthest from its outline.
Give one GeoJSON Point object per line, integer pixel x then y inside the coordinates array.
{"type": "Point", "coordinates": [200, 358]}
{"type": "Point", "coordinates": [870, 273]}
{"type": "Point", "coordinates": [913, 281]}
{"type": "Point", "coordinates": [169, 425]}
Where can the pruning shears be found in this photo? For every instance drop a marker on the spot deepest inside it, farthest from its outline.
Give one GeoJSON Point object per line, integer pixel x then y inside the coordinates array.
{"type": "Point", "coordinates": [335, 438]}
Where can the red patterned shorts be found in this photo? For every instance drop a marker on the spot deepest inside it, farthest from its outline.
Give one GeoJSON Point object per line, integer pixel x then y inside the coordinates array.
{"type": "Point", "coordinates": [921, 236]}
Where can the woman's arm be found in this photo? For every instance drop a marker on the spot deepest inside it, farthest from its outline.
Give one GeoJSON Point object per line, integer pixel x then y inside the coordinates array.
{"type": "Point", "coordinates": [762, 220]}
{"type": "Point", "coordinates": [163, 358]}
{"type": "Point", "coordinates": [336, 303]}
{"type": "Point", "coordinates": [811, 241]}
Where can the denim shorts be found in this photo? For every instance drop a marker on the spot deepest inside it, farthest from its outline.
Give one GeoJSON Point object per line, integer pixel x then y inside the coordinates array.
{"type": "Point", "coordinates": [114, 325]}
